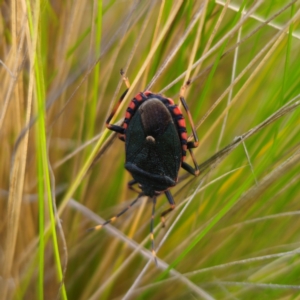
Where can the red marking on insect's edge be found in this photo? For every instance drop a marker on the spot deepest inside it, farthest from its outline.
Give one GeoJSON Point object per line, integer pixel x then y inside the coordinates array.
{"type": "Point", "coordinates": [132, 105]}
{"type": "Point", "coordinates": [181, 123]}
{"type": "Point", "coordinates": [147, 93]}
{"type": "Point", "coordinates": [138, 97]}
{"type": "Point", "coordinates": [177, 111]}
{"type": "Point", "coordinates": [170, 101]}
{"type": "Point", "coordinates": [183, 135]}
{"type": "Point", "coordinates": [127, 115]}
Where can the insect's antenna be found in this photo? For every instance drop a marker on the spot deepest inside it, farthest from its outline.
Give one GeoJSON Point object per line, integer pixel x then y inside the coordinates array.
{"type": "Point", "coordinates": [97, 227]}
{"type": "Point", "coordinates": [151, 230]}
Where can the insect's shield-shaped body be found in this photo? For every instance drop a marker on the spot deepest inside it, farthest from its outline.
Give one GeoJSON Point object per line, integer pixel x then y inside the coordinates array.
{"type": "Point", "coordinates": [153, 147]}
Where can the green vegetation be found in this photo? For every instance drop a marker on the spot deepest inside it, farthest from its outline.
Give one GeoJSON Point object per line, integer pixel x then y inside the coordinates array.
{"type": "Point", "coordinates": [235, 231]}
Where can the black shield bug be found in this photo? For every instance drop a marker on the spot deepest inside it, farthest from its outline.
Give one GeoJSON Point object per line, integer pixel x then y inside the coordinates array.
{"type": "Point", "coordinates": [154, 132]}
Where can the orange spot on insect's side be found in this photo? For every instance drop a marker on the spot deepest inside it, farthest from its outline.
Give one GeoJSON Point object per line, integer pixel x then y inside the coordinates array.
{"type": "Point", "coordinates": [147, 93]}
{"type": "Point", "coordinates": [138, 97]}
{"type": "Point", "coordinates": [183, 135]}
{"type": "Point", "coordinates": [125, 125]}
{"type": "Point", "coordinates": [171, 101]}
{"type": "Point", "coordinates": [132, 105]}
{"type": "Point", "coordinates": [184, 147]}
{"type": "Point", "coordinates": [127, 115]}
{"type": "Point", "coordinates": [177, 111]}
{"type": "Point", "coordinates": [181, 123]}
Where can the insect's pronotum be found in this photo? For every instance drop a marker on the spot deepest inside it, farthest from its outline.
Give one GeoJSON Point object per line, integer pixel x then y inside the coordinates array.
{"type": "Point", "coordinates": [154, 132]}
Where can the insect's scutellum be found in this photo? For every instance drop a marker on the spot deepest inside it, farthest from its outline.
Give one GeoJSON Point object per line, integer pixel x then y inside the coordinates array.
{"type": "Point", "coordinates": [154, 132]}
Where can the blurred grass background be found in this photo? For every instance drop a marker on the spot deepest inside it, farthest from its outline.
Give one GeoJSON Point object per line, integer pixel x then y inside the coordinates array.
{"type": "Point", "coordinates": [235, 233]}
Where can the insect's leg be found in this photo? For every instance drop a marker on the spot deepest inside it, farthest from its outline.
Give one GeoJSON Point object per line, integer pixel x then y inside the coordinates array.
{"type": "Point", "coordinates": [195, 143]}
{"type": "Point", "coordinates": [121, 137]}
{"type": "Point", "coordinates": [130, 185]}
{"type": "Point", "coordinates": [116, 128]}
{"type": "Point", "coordinates": [152, 229]}
{"type": "Point", "coordinates": [164, 213]}
{"type": "Point", "coordinates": [194, 171]}
{"type": "Point", "coordinates": [97, 227]}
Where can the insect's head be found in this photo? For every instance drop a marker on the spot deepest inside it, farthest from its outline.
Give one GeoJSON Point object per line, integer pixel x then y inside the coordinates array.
{"type": "Point", "coordinates": [149, 191]}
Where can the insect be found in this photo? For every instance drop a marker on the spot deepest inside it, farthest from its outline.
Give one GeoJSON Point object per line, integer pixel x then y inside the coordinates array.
{"type": "Point", "coordinates": [155, 136]}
